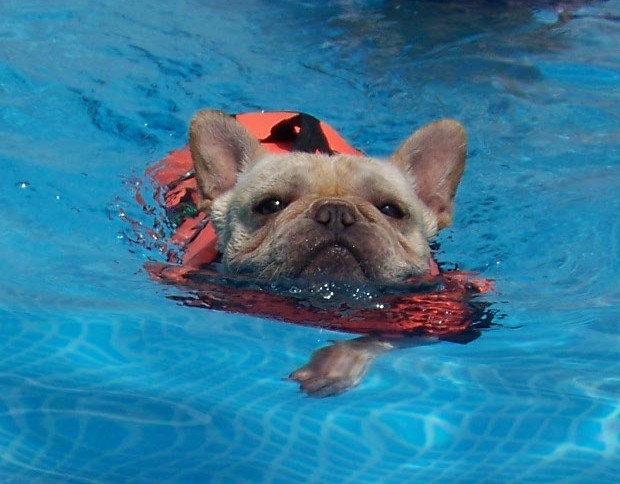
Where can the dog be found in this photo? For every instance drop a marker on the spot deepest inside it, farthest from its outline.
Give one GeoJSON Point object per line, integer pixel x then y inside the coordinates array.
{"type": "Point", "coordinates": [320, 217]}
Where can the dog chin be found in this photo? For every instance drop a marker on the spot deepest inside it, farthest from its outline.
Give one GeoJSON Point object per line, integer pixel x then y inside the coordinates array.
{"type": "Point", "coordinates": [334, 262]}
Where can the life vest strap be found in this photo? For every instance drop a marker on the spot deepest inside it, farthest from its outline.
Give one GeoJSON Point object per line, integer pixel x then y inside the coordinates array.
{"type": "Point", "coordinates": [303, 132]}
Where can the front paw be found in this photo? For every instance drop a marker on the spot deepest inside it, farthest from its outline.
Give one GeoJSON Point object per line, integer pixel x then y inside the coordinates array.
{"type": "Point", "coordinates": [336, 368]}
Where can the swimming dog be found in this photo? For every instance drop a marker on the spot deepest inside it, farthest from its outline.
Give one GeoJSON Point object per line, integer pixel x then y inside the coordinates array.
{"type": "Point", "coordinates": [325, 217]}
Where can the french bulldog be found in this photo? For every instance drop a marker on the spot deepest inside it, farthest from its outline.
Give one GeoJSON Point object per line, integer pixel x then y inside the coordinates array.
{"type": "Point", "coordinates": [323, 217]}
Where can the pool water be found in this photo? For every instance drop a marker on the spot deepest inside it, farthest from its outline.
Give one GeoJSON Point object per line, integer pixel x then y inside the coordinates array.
{"type": "Point", "coordinates": [104, 378]}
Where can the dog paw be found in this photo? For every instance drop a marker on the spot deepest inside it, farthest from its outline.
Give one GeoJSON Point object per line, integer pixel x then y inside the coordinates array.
{"type": "Point", "coordinates": [336, 368]}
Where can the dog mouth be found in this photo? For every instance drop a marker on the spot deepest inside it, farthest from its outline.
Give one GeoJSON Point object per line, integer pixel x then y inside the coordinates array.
{"type": "Point", "coordinates": [334, 261]}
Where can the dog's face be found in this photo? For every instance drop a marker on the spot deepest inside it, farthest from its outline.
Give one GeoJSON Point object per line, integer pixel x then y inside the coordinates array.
{"type": "Point", "coordinates": [315, 216]}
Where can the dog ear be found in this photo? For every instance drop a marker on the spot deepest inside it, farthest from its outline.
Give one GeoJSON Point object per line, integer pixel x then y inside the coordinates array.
{"type": "Point", "coordinates": [435, 156]}
{"type": "Point", "coordinates": [221, 149]}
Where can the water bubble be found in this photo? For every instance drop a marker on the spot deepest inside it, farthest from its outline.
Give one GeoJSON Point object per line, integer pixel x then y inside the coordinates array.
{"type": "Point", "coordinates": [22, 184]}
{"type": "Point", "coordinates": [325, 291]}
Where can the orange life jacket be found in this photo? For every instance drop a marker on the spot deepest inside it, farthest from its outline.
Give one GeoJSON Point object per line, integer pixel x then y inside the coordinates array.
{"type": "Point", "coordinates": [445, 312]}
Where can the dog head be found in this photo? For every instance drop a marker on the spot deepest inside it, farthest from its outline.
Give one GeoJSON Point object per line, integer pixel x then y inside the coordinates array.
{"type": "Point", "coordinates": [315, 216]}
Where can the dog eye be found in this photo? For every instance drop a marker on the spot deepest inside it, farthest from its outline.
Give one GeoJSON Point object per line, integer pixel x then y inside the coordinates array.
{"type": "Point", "coordinates": [391, 210]}
{"type": "Point", "coordinates": [269, 206]}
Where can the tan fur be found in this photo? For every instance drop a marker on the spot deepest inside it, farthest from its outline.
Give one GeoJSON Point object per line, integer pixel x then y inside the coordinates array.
{"type": "Point", "coordinates": [234, 175]}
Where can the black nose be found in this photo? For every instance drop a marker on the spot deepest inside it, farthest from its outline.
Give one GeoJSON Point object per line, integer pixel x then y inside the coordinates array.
{"type": "Point", "coordinates": [337, 215]}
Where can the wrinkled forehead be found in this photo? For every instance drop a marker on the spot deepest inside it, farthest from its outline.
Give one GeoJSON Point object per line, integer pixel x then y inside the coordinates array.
{"type": "Point", "coordinates": [324, 175]}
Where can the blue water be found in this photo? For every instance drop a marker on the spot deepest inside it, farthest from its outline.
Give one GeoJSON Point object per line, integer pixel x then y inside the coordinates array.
{"type": "Point", "coordinates": [105, 379]}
